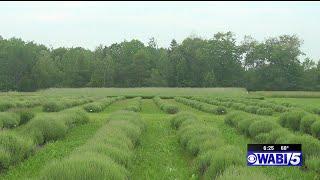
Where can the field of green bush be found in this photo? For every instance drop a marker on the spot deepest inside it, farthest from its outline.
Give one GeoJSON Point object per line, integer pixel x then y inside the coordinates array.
{"type": "Point", "coordinates": [153, 133]}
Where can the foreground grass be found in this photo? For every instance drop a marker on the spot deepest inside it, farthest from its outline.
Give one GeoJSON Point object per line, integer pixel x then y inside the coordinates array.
{"type": "Point", "coordinates": [232, 137]}
{"type": "Point", "coordinates": [52, 151]}
{"type": "Point", "coordinates": [159, 155]}
{"type": "Point", "coordinates": [30, 168]}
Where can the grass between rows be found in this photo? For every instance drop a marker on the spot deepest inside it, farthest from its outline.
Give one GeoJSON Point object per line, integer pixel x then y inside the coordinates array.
{"type": "Point", "coordinates": [159, 155]}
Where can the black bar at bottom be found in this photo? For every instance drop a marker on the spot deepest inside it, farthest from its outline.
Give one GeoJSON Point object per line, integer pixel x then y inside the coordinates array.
{"type": "Point", "coordinates": [274, 147]}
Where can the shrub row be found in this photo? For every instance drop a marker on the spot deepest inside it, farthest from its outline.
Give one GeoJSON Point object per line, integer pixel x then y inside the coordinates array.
{"type": "Point", "coordinates": [213, 101]}
{"type": "Point", "coordinates": [13, 148]}
{"type": "Point", "coordinates": [58, 105]}
{"type": "Point", "coordinates": [107, 155]}
{"type": "Point", "coordinates": [275, 107]}
{"type": "Point", "coordinates": [29, 102]}
{"type": "Point", "coordinates": [135, 105]}
{"type": "Point", "coordinates": [314, 110]}
{"type": "Point", "coordinates": [16, 146]}
{"type": "Point", "coordinates": [285, 104]}
{"type": "Point", "coordinates": [206, 107]}
{"type": "Point", "coordinates": [242, 173]}
{"type": "Point", "coordinates": [265, 130]}
{"type": "Point", "coordinates": [256, 103]}
{"type": "Point", "coordinates": [14, 119]}
{"type": "Point", "coordinates": [292, 119]}
{"type": "Point", "coordinates": [101, 105]}
{"type": "Point", "coordinates": [141, 95]}
{"type": "Point", "coordinates": [5, 105]}
{"type": "Point", "coordinates": [147, 96]}
{"type": "Point", "coordinates": [255, 97]}
{"type": "Point", "coordinates": [50, 127]}
{"type": "Point", "coordinates": [165, 106]}
{"type": "Point", "coordinates": [13, 103]}
{"type": "Point", "coordinates": [209, 148]}
{"type": "Point", "coordinates": [9, 120]}
{"type": "Point", "coordinates": [202, 106]}
{"type": "Point", "coordinates": [299, 120]}
{"type": "Point", "coordinates": [237, 106]}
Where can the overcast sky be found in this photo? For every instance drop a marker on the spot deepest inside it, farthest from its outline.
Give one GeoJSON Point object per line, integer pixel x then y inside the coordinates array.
{"type": "Point", "coordinates": [88, 24]}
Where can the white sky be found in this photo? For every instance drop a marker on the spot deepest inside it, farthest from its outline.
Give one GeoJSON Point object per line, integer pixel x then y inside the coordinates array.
{"type": "Point", "coordinates": [88, 24]}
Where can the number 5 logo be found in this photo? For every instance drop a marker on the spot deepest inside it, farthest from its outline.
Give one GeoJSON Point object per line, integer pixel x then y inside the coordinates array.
{"type": "Point", "coordinates": [295, 159]}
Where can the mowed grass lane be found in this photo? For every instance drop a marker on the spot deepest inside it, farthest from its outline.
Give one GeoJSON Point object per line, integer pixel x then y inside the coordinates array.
{"type": "Point", "coordinates": [159, 155]}
{"type": "Point", "coordinates": [145, 91]}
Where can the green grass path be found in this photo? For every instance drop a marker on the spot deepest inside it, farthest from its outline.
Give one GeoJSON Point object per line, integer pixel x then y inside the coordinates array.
{"type": "Point", "coordinates": [159, 156]}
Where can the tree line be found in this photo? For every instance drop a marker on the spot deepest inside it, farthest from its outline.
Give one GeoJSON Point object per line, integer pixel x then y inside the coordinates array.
{"type": "Point", "coordinates": [221, 61]}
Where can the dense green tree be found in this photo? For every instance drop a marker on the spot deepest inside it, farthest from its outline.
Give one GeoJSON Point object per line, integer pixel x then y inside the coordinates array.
{"type": "Point", "coordinates": [272, 64]}
{"type": "Point", "coordinates": [76, 65]}
{"type": "Point", "coordinates": [171, 64]}
{"type": "Point", "coordinates": [156, 79]}
{"type": "Point", "coordinates": [139, 69]}
{"type": "Point", "coordinates": [123, 54]}
{"type": "Point", "coordinates": [318, 76]}
{"type": "Point", "coordinates": [310, 76]}
{"type": "Point", "coordinates": [16, 61]}
{"type": "Point", "coordinates": [224, 60]}
{"type": "Point", "coordinates": [45, 72]}
{"type": "Point", "coordinates": [209, 79]}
